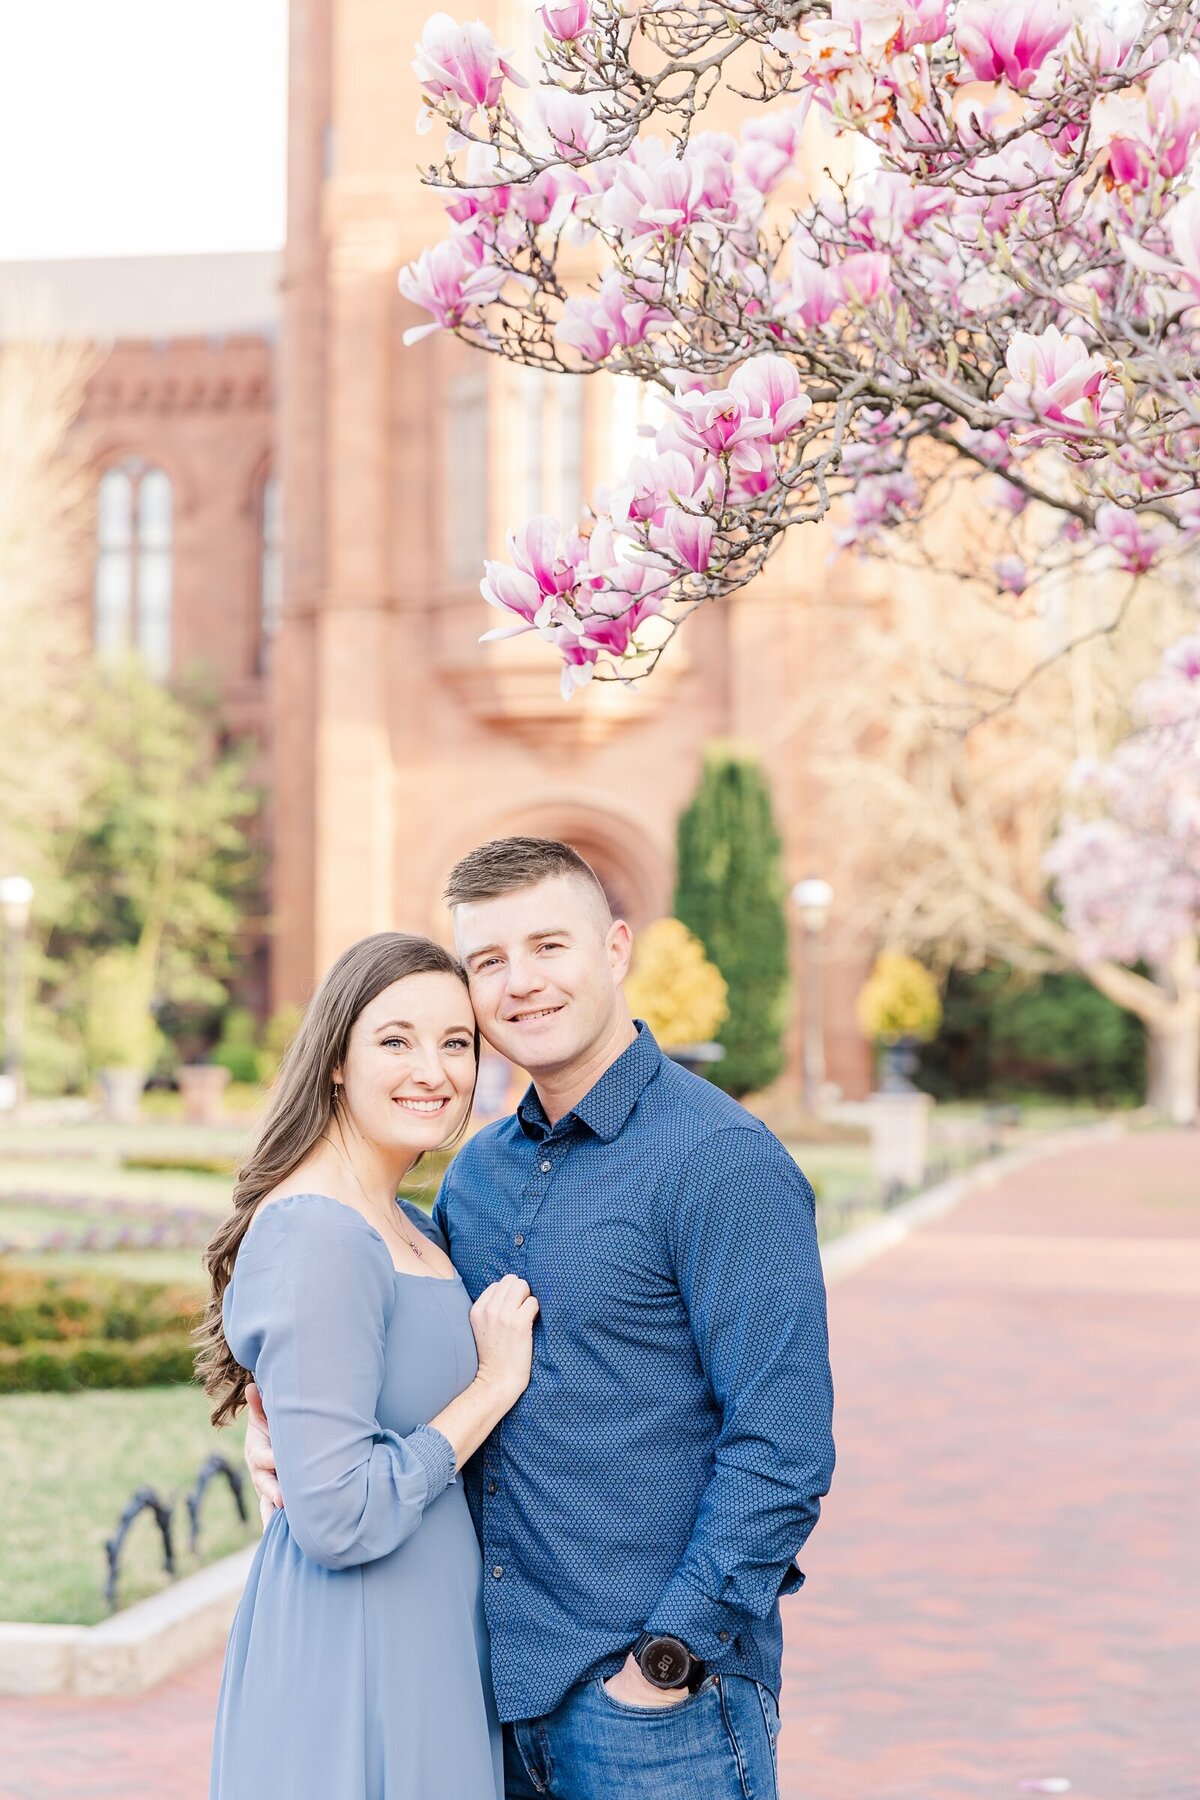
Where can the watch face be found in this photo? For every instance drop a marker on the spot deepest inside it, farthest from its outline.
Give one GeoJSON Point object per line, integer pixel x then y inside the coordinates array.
{"type": "Point", "coordinates": [665, 1661]}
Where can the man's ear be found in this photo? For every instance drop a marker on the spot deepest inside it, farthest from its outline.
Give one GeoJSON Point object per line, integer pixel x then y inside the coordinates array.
{"type": "Point", "coordinates": [620, 949]}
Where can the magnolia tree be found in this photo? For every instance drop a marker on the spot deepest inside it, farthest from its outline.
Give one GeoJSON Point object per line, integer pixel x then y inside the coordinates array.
{"type": "Point", "coordinates": [1127, 871]}
{"type": "Point", "coordinates": [953, 844]}
{"type": "Point", "coordinates": [1007, 282]}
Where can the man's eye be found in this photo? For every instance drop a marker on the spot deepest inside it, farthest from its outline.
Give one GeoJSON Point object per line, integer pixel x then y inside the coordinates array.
{"type": "Point", "coordinates": [551, 945]}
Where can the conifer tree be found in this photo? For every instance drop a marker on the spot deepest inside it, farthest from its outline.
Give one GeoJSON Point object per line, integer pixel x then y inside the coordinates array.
{"type": "Point", "coordinates": [730, 893]}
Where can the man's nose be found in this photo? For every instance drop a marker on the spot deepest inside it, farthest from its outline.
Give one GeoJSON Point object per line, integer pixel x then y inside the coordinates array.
{"type": "Point", "coordinates": [524, 977]}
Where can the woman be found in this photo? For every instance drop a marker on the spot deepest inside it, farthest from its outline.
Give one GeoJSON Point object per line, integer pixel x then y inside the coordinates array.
{"type": "Point", "coordinates": [357, 1664]}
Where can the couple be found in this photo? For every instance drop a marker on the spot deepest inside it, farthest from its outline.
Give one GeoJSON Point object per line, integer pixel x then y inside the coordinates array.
{"type": "Point", "coordinates": [604, 1361]}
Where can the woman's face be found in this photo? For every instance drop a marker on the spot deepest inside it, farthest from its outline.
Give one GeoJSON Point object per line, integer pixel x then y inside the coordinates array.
{"type": "Point", "coordinates": [410, 1064]}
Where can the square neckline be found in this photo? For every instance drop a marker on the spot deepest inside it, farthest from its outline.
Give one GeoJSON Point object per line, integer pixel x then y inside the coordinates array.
{"type": "Point", "coordinates": [313, 1194]}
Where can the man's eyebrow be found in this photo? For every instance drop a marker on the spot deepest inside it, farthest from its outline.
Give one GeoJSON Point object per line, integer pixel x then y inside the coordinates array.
{"type": "Point", "coordinates": [533, 938]}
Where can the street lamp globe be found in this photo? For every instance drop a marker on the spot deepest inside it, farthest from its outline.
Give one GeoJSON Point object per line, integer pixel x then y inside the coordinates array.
{"type": "Point", "coordinates": [16, 897]}
{"type": "Point", "coordinates": [814, 898]}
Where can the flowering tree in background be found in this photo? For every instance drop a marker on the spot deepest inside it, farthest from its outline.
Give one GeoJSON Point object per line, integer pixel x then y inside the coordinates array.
{"type": "Point", "coordinates": [1006, 286]}
{"type": "Point", "coordinates": [1128, 876]}
{"type": "Point", "coordinates": [954, 845]}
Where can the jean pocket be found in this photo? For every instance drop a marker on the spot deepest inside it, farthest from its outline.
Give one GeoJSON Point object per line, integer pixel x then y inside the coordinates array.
{"type": "Point", "coordinates": [707, 1686]}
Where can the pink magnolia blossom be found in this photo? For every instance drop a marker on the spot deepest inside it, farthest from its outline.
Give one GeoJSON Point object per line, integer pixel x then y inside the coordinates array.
{"type": "Point", "coordinates": [461, 62]}
{"type": "Point", "coordinates": [662, 196]}
{"type": "Point", "coordinates": [569, 122]}
{"type": "Point", "coordinates": [689, 536]}
{"type": "Point", "coordinates": [566, 19]}
{"type": "Point", "coordinates": [1055, 381]}
{"type": "Point", "coordinates": [1134, 541]}
{"type": "Point", "coordinates": [866, 277]}
{"type": "Point", "coordinates": [1012, 575]}
{"type": "Point", "coordinates": [450, 280]}
{"type": "Point", "coordinates": [1152, 130]}
{"type": "Point", "coordinates": [1129, 879]}
{"type": "Point", "coordinates": [596, 324]}
{"type": "Point", "coordinates": [1009, 40]}
{"type": "Point", "coordinates": [721, 422]}
{"type": "Point", "coordinates": [814, 292]}
{"type": "Point", "coordinates": [770, 386]}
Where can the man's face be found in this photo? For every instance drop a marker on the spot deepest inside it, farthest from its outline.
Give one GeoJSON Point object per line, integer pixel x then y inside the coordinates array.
{"type": "Point", "coordinates": [545, 965]}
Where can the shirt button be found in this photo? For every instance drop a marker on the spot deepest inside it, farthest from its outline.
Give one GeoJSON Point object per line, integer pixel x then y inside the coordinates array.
{"type": "Point", "coordinates": [545, 1168]}
{"type": "Point", "coordinates": [498, 1570]}
{"type": "Point", "coordinates": [491, 1487]}
{"type": "Point", "coordinates": [722, 1637]}
{"type": "Point", "coordinates": [519, 1239]}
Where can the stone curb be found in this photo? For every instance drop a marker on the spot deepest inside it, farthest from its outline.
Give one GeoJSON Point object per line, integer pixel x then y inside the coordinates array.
{"type": "Point", "coordinates": [855, 1249]}
{"type": "Point", "coordinates": [136, 1648]}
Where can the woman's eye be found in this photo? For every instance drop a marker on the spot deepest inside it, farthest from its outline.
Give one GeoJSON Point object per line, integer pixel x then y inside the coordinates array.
{"type": "Point", "coordinates": [403, 1042]}
{"type": "Point", "coordinates": [458, 1044]}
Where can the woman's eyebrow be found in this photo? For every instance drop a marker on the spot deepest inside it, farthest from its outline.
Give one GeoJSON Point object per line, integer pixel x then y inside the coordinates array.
{"type": "Point", "coordinates": [406, 1025]}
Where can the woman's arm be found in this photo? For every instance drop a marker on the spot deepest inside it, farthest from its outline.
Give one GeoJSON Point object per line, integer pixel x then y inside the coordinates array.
{"type": "Point", "coordinates": [315, 1290]}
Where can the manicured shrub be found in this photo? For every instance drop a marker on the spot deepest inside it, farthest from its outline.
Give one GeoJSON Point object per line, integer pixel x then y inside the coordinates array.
{"type": "Point", "coordinates": [730, 892]}
{"type": "Point", "coordinates": [67, 1366]}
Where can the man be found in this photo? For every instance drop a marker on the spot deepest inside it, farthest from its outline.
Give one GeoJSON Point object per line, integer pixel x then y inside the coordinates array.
{"type": "Point", "coordinates": [640, 1506]}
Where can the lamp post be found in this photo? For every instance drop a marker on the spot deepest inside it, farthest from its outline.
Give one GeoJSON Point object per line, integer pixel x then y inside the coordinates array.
{"type": "Point", "coordinates": [16, 895]}
{"type": "Point", "coordinates": [813, 898]}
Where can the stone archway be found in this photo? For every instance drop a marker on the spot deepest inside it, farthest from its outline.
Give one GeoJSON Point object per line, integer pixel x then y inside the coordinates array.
{"type": "Point", "coordinates": [634, 870]}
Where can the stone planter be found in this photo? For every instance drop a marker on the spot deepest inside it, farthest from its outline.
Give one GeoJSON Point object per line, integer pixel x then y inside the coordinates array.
{"type": "Point", "coordinates": [202, 1085]}
{"type": "Point", "coordinates": [899, 1127]}
{"type": "Point", "coordinates": [122, 1092]}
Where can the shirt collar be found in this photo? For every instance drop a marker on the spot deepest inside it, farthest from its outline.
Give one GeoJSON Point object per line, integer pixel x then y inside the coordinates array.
{"type": "Point", "coordinates": [606, 1106]}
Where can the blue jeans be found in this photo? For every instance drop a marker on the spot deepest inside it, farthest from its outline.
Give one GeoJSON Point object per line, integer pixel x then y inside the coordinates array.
{"type": "Point", "coordinates": [719, 1744]}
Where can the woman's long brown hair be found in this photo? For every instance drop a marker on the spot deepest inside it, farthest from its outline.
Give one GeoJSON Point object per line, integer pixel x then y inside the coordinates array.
{"type": "Point", "coordinates": [298, 1116]}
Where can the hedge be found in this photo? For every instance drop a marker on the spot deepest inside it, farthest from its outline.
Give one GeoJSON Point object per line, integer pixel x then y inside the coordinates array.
{"type": "Point", "coordinates": [60, 1333]}
{"type": "Point", "coordinates": [67, 1367]}
{"type": "Point", "coordinates": [40, 1308]}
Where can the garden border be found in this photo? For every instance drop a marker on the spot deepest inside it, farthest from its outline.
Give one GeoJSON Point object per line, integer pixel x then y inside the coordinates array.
{"type": "Point", "coordinates": [135, 1649]}
{"type": "Point", "coordinates": [145, 1643]}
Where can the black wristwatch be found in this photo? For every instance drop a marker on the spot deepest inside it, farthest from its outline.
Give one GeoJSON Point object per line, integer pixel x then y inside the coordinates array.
{"type": "Point", "coordinates": [666, 1662]}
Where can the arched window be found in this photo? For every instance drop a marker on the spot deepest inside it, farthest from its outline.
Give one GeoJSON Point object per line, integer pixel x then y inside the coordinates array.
{"type": "Point", "coordinates": [270, 566]}
{"type": "Point", "coordinates": [134, 548]}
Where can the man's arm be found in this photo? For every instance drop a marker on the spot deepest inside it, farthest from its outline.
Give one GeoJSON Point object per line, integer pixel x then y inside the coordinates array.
{"type": "Point", "coordinates": [742, 1233]}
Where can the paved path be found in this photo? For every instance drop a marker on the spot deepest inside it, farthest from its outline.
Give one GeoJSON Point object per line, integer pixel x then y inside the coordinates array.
{"type": "Point", "coordinates": [1006, 1587]}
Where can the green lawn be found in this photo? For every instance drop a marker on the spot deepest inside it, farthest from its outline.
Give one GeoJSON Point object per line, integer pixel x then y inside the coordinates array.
{"type": "Point", "coordinates": [71, 1462]}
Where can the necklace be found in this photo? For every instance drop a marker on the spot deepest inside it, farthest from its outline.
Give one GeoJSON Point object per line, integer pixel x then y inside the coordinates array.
{"type": "Point", "coordinates": [399, 1229]}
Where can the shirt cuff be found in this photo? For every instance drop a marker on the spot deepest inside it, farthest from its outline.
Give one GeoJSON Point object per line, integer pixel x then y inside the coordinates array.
{"type": "Point", "coordinates": [706, 1626]}
{"type": "Point", "coordinates": [435, 1455]}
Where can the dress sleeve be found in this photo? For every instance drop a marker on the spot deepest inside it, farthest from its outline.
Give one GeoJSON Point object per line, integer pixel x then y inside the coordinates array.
{"type": "Point", "coordinates": [314, 1293]}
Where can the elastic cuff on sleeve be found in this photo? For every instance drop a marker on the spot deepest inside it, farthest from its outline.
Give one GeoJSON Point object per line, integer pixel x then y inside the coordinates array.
{"type": "Point", "coordinates": [436, 1456]}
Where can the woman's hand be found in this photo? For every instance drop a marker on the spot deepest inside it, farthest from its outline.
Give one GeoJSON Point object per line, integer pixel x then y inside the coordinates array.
{"type": "Point", "coordinates": [502, 1320]}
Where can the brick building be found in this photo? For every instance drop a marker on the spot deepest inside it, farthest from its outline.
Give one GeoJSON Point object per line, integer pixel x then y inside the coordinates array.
{"type": "Point", "coordinates": [290, 496]}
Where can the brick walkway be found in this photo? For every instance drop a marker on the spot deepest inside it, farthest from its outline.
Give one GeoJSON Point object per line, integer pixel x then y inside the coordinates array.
{"type": "Point", "coordinates": [1006, 1587]}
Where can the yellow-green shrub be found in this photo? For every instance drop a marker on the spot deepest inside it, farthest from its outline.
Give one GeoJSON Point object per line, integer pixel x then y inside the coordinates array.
{"type": "Point", "coordinates": [674, 987]}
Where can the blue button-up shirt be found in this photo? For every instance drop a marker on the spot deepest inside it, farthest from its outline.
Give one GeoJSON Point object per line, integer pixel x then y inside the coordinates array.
{"type": "Point", "coordinates": [667, 1460]}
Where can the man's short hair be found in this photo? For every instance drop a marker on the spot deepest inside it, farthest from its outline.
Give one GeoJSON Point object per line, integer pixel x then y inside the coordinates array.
{"type": "Point", "coordinates": [507, 864]}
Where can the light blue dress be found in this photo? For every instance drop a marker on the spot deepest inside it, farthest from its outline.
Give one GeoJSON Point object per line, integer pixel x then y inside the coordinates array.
{"type": "Point", "coordinates": [357, 1665]}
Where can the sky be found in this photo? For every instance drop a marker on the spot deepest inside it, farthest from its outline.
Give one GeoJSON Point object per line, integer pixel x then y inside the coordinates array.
{"type": "Point", "coordinates": [140, 127]}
